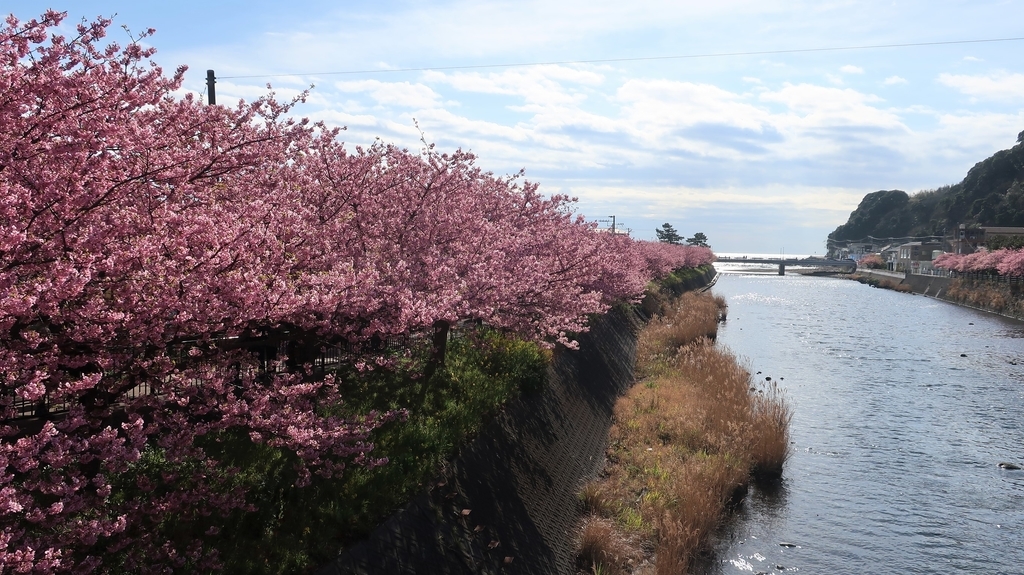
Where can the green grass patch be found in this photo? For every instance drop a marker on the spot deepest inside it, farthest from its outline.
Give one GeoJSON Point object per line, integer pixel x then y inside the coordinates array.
{"type": "Point", "coordinates": [659, 293]}
{"type": "Point", "coordinates": [295, 530]}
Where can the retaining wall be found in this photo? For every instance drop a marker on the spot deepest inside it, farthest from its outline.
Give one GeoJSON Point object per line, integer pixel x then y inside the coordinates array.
{"type": "Point", "coordinates": [1001, 298]}
{"type": "Point", "coordinates": [519, 479]}
{"type": "Point", "coordinates": [934, 286]}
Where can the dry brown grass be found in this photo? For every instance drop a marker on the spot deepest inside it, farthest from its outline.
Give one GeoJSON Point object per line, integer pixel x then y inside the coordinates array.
{"type": "Point", "coordinates": [1000, 298]}
{"type": "Point", "coordinates": [895, 286]}
{"type": "Point", "coordinates": [687, 440]}
{"type": "Point", "coordinates": [770, 446]}
{"type": "Point", "coordinates": [691, 316]}
{"type": "Point", "coordinates": [723, 307]}
{"type": "Point", "coordinates": [604, 549]}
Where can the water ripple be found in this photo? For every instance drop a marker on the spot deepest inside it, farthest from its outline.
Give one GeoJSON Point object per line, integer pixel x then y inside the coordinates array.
{"type": "Point", "coordinates": [903, 406]}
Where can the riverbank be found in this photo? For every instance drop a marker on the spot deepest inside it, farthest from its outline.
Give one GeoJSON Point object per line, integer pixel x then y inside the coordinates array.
{"type": "Point", "coordinates": [509, 502]}
{"type": "Point", "coordinates": [686, 442]}
{"type": "Point", "coordinates": [888, 280]}
{"type": "Point", "coordinates": [994, 297]}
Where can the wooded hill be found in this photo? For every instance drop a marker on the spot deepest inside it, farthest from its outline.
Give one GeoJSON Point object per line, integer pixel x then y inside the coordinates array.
{"type": "Point", "coordinates": [992, 194]}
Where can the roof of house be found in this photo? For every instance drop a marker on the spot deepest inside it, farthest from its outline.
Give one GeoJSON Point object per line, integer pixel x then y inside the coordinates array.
{"type": "Point", "coordinates": [1003, 231]}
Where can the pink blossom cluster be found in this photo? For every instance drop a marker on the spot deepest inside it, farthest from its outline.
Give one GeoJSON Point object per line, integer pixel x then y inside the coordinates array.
{"type": "Point", "coordinates": [663, 258]}
{"type": "Point", "coordinates": [1005, 262]}
{"type": "Point", "coordinates": [140, 231]}
{"type": "Point", "coordinates": [871, 261]}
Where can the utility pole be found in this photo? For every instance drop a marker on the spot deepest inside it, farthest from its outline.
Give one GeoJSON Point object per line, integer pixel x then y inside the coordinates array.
{"type": "Point", "coordinates": [613, 228]}
{"type": "Point", "coordinates": [211, 90]}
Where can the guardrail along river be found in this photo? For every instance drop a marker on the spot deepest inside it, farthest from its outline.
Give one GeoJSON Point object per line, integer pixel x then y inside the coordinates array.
{"type": "Point", "coordinates": [903, 409]}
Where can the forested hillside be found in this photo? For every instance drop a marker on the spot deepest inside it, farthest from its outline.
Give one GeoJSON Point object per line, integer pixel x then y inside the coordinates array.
{"type": "Point", "coordinates": [992, 194]}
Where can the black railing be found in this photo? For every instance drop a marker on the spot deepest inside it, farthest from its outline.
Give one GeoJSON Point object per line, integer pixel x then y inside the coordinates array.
{"type": "Point", "coordinates": [989, 277]}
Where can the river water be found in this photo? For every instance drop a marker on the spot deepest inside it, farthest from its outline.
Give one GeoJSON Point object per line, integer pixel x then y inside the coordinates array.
{"type": "Point", "coordinates": [903, 407]}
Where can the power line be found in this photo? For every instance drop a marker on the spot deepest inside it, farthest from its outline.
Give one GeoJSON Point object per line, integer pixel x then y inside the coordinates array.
{"type": "Point", "coordinates": [637, 59]}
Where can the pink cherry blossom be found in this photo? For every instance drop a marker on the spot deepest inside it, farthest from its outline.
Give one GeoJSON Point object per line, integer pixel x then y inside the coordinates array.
{"type": "Point", "coordinates": [1004, 261]}
{"type": "Point", "coordinates": [149, 243]}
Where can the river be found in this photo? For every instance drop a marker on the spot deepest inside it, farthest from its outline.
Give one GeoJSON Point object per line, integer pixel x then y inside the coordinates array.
{"type": "Point", "coordinates": [903, 407]}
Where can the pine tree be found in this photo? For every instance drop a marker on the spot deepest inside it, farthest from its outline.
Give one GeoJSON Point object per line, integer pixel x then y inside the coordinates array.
{"type": "Point", "coordinates": [698, 239]}
{"type": "Point", "coordinates": [668, 234]}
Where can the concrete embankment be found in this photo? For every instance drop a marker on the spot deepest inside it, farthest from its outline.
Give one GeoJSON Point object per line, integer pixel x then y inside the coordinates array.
{"type": "Point", "coordinates": [934, 286]}
{"type": "Point", "coordinates": [985, 295]}
{"type": "Point", "coordinates": [508, 503]}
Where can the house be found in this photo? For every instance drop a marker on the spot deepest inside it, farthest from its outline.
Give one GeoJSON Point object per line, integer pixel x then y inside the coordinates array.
{"type": "Point", "coordinates": [889, 253]}
{"type": "Point", "coordinates": [969, 239]}
{"type": "Point", "coordinates": [915, 257]}
{"type": "Point", "coordinates": [992, 232]}
{"type": "Point", "coordinates": [857, 249]}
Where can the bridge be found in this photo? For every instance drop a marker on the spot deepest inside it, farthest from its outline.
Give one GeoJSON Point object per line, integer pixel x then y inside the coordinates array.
{"type": "Point", "coordinates": [849, 266]}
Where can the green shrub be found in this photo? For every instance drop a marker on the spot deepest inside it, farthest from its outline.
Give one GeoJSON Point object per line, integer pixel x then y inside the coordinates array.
{"type": "Point", "coordinates": [292, 530]}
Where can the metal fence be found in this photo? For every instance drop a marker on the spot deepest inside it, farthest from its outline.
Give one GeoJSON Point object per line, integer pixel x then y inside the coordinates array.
{"type": "Point", "coordinates": [978, 276]}
{"type": "Point", "coordinates": [995, 278]}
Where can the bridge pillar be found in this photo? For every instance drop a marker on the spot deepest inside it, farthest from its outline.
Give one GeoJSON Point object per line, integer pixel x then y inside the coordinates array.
{"type": "Point", "coordinates": [782, 268]}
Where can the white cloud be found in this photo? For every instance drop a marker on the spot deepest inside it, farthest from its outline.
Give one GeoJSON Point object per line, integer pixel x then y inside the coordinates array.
{"type": "Point", "coordinates": [466, 29]}
{"type": "Point", "coordinates": [401, 94]}
{"type": "Point", "coordinates": [851, 69]}
{"type": "Point", "coordinates": [827, 122]}
{"type": "Point", "coordinates": [670, 115]}
{"type": "Point", "coordinates": [893, 80]}
{"type": "Point", "coordinates": [671, 104]}
{"type": "Point", "coordinates": [822, 106]}
{"type": "Point", "coordinates": [665, 199]}
{"type": "Point", "coordinates": [1001, 86]}
{"type": "Point", "coordinates": [918, 109]}
{"type": "Point", "coordinates": [670, 128]}
{"type": "Point", "coordinates": [545, 85]}
{"type": "Point", "coordinates": [974, 136]}
{"type": "Point", "coordinates": [649, 121]}
{"type": "Point", "coordinates": [341, 118]}
{"type": "Point", "coordinates": [649, 124]}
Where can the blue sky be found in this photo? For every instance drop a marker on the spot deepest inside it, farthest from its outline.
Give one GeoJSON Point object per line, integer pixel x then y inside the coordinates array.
{"type": "Point", "coordinates": [761, 152]}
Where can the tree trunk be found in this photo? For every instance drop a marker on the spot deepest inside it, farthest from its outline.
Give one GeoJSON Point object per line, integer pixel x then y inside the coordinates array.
{"type": "Point", "coordinates": [438, 349]}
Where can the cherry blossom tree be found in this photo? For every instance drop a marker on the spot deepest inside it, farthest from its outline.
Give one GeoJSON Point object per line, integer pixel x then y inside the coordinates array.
{"type": "Point", "coordinates": [124, 247]}
{"type": "Point", "coordinates": [167, 267]}
{"type": "Point", "coordinates": [1012, 263]}
{"type": "Point", "coordinates": [873, 261]}
{"type": "Point", "coordinates": [1004, 261]}
{"type": "Point", "coordinates": [662, 258]}
{"type": "Point", "coordinates": [947, 261]}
